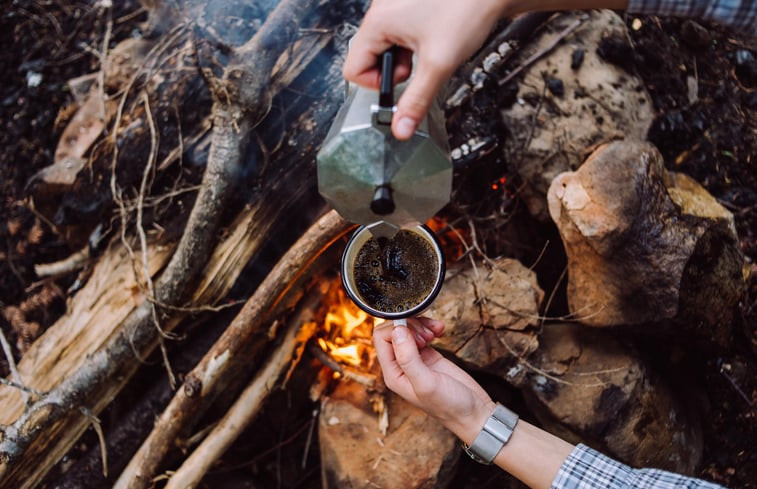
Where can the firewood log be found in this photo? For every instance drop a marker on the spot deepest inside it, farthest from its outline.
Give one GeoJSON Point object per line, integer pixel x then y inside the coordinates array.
{"type": "Point", "coordinates": [647, 248]}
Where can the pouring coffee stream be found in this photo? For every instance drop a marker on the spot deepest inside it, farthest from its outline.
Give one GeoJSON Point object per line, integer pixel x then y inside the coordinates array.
{"type": "Point", "coordinates": [387, 186]}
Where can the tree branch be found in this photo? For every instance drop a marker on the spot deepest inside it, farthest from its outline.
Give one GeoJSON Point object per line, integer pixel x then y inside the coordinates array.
{"type": "Point", "coordinates": [204, 381]}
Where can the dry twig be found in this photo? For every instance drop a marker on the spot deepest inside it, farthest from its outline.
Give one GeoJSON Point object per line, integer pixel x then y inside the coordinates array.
{"type": "Point", "coordinates": [213, 370]}
{"type": "Point", "coordinates": [12, 366]}
{"type": "Point", "coordinates": [549, 47]}
{"type": "Point", "coordinates": [244, 409]}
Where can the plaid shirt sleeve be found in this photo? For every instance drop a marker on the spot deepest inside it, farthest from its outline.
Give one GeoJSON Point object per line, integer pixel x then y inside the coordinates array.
{"type": "Point", "coordinates": [739, 14]}
{"type": "Point", "coordinates": [586, 468]}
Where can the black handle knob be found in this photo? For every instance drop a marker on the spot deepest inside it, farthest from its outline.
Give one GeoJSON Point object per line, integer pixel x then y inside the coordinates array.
{"type": "Point", "coordinates": [386, 88]}
{"type": "Point", "coordinates": [382, 203]}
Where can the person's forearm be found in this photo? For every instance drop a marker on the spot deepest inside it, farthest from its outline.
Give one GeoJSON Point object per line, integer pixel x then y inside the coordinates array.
{"type": "Point", "coordinates": [531, 455]}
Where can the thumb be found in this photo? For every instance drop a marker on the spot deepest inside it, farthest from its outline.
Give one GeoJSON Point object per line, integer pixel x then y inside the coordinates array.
{"type": "Point", "coordinates": [410, 361]}
{"type": "Point", "coordinates": [415, 101]}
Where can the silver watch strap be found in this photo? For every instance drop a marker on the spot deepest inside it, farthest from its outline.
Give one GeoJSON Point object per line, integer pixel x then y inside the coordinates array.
{"type": "Point", "coordinates": [495, 433]}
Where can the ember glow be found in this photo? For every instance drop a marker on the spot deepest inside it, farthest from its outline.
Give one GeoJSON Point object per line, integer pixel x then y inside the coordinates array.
{"type": "Point", "coordinates": [347, 331]}
{"type": "Point", "coordinates": [450, 239]}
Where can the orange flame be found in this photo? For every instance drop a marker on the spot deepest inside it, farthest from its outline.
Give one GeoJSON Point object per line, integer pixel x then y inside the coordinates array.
{"type": "Point", "coordinates": [450, 239]}
{"type": "Point", "coordinates": [348, 330]}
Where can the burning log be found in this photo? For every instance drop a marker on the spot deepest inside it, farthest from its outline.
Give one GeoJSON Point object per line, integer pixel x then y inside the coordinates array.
{"type": "Point", "coordinates": [646, 247]}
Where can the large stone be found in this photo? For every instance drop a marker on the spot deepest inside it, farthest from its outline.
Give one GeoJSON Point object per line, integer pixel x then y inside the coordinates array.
{"type": "Point", "coordinates": [586, 386]}
{"type": "Point", "coordinates": [491, 312]}
{"type": "Point", "coordinates": [645, 246]}
{"type": "Point", "coordinates": [549, 133]}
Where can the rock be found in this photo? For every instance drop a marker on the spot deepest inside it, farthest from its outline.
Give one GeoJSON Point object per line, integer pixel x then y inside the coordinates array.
{"type": "Point", "coordinates": [746, 67]}
{"type": "Point", "coordinates": [601, 102]}
{"type": "Point", "coordinates": [490, 313]}
{"type": "Point", "coordinates": [694, 34]}
{"type": "Point", "coordinates": [577, 59]}
{"type": "Point", "coordinates": [556, 87]}
{"type": "Point", "coordinates": [416, 452]}
{"type": "Point", "coordinates": [646, 247]}
{"type": "Point", "coordinates": [592, 388]}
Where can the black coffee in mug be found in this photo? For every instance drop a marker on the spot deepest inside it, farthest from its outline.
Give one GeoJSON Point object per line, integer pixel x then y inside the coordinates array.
{"type": "Point", "coordinates": [396, 274]}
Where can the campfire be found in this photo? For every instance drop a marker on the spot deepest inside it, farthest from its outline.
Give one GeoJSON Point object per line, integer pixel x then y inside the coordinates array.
{"type": "Point", "coordinates": [199, 288]}
{"type": "Point", "coordinates": [347, 330]}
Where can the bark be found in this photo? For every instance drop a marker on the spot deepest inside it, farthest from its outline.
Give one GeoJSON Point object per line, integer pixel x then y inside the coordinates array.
{"type": "Point", "coordinates": [646, 247]}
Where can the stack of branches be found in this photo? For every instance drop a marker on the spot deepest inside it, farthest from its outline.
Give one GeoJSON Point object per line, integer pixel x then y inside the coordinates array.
{"type": "Point", "coordinates": [184, 119]}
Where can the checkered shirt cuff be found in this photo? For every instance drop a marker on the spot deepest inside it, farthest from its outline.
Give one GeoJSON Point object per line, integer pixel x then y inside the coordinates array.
{"type": "Point", "coordinates": [739, 14]}
{"type": "Point", "coordinates": [586, 468]}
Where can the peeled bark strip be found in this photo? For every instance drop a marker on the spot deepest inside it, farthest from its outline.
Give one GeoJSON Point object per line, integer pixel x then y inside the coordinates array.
{"type": "Point", "coordinates": [108, 298]}
{"type": "Point", "coordinates": [646, 246]}
{"type": "Point", "coordinates": [595, 389]}
{"type": "Point", "coordinates": [203, 383]}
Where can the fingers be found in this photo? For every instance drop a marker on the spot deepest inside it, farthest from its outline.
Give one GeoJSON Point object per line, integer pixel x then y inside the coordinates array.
{"type": "Point", "coordinates": [423, 330]}
{"type": "Point", "coordinates": [434, 325]}
{"type": "Point", "coordinates": [409, 360]}
{"type": "Point", "coordinates": [417, 98]}
{"type": "Point", "coordinates": [363, 62]}
{"type": "Point", "coordinates": [382, 341]}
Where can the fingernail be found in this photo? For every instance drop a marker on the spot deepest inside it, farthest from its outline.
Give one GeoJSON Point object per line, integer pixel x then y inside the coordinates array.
{"type": "Point", "coordinates": [399, 335]}
{"type": "Point", "coordinates": [428, 331]}
{"type": "Point", "coordinates": [405, 128]}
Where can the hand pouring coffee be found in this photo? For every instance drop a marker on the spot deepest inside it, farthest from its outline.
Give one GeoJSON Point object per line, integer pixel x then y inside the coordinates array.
{"type": "Point", "coordinates": [393, 266]}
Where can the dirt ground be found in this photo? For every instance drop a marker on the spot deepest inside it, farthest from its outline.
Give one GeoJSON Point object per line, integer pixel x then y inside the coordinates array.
{"type": "Point", "coordinates": [712, 137]}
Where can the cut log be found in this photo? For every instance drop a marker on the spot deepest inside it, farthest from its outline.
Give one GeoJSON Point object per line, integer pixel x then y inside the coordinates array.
{"type": "Point", "coordinates": [416, 452]}
{"type": "Point", "coordinates": [594, 389]}
{"type": "Point", "coordinates": [646, 246]}
{"type": "Point", "coordinates": [491, 313]}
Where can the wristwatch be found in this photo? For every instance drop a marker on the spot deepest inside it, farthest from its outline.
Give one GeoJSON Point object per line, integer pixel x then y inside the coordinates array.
{"type": "Point", "coordinates": [495, 433]}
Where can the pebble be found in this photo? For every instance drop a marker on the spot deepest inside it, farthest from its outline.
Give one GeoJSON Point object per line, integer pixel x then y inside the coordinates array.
{"type": "Point", "coordinates": [577, 59]}
{"type": "Point", "coordinates": [556, 86]}
{"type": "Point", "coordinates": [746, 67]}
